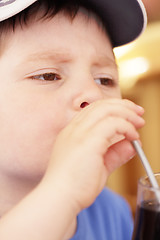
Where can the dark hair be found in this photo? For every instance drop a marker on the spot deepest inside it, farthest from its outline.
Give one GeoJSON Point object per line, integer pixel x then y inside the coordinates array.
{"type": "Point", "coordinates": [50, 9]}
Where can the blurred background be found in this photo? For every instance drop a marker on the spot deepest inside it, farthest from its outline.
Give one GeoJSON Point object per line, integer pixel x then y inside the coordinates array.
{"type": "Point", "coordinates": [139, 66]}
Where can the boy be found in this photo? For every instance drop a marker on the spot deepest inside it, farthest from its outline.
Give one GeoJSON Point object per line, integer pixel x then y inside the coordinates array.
{"type": "Point", "coordinates": [64, 126]}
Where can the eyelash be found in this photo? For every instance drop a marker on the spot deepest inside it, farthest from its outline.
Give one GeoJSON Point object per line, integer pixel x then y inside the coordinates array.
{"type": "Point", "coordinates": [105, 81]}
{"type": "Point", "coordinates": [51, 76]}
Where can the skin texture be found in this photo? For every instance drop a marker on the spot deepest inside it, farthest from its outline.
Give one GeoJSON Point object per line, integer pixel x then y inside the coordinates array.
{"type": "Point", "coordinates": [64, 126]}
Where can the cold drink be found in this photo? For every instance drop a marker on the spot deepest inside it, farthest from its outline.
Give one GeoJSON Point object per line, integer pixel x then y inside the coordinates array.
{"type": "Point", "coordinates": [147, 221]}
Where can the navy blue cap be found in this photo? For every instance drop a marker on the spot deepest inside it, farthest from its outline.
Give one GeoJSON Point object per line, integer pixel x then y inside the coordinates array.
{"type": "Point", "coordinates": [124, 19]}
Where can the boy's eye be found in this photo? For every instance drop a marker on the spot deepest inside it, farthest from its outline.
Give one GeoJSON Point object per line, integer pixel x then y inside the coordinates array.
{"type": "Point", "coordinates": [47, 77]}
{"type": "Point", "coordinates": [105, 81]}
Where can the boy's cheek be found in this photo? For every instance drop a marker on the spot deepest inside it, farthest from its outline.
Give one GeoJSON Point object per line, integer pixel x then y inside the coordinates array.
{"type": "Point", "coordinates": [26, 142]}
{"type": "Point", "coordinates": [28, 154]}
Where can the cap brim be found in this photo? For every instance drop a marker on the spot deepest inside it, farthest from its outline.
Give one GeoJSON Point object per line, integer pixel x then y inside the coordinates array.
{"type": "Point", "coordinates": [9, 8]}
{"type": "Point", "coordinates": [123, 19]}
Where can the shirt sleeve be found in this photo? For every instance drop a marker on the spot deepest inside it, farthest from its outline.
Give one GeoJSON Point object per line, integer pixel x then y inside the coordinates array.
{"type": "Point", "coordinates": [108, 218]}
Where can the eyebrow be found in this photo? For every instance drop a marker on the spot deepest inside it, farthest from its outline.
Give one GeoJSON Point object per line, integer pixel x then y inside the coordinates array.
{"type": "Point", "coordinates": [66, 56]}
{"type": "Point", "coordinates": [105, 61]}
{"type": "Point", "coordinates": [58, 56]}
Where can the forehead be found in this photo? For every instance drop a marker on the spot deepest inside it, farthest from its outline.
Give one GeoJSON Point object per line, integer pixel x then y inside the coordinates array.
{"type": "Point", "coordinates": [83, 19]}
{"type": "Point", "coordinates": [63, 33]}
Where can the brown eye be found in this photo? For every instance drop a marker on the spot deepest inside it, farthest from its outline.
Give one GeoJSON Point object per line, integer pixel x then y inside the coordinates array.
{"type": "Point", "coordinates": [105, 81]}
{"type": "Point", "coordinates": [47, 77]}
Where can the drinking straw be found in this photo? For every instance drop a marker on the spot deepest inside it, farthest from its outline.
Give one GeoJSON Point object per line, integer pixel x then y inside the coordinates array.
{"type": "Point", "coordinates": [147, 167]}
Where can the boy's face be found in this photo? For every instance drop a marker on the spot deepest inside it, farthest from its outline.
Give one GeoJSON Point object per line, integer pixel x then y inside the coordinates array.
{"type": "Point", "coordinates": [48, 69]}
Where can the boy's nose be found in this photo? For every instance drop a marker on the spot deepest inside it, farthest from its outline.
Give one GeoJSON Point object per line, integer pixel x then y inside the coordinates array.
{"type": "Point", "coordinates": [84, 104]}
{"type": "Point", "coordinates": [87, 95]}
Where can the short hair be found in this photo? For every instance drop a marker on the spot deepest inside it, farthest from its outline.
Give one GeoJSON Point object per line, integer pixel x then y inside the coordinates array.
{"type": "Point", "coordinates": [50, 8]}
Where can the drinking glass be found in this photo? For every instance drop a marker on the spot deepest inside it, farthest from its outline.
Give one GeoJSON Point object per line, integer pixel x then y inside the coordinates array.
{"type": "Point", "coordinates": [147, 218]}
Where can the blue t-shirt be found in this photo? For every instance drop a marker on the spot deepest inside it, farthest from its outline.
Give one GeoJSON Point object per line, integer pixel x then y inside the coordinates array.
{"type": "Point", "coordinates": [108, 218]}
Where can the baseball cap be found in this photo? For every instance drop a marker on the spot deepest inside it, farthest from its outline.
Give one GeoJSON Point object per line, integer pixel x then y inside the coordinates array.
{"type": "Point", "coordinates": [124, 20]}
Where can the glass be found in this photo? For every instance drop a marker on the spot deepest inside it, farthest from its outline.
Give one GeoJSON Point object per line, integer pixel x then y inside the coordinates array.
{"type": "Point", "coordinates": [147, 218]}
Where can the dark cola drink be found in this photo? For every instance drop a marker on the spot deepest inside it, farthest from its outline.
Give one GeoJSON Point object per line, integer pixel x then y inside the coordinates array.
{"type": "Point", "coordinates": [147, 221]}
